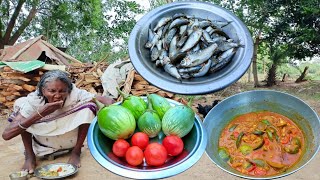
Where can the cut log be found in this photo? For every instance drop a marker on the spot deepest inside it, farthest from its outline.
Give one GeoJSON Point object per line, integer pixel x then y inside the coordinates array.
{"type": "Point", "coordinates": [36, 78]}
{"type": "Point", "coordinates": [138, 77]}
{"type": "Point", "coordinates": [49, 67]}
{"type": "Point", "coordinates": [11, 98]}
{"type": "Point", "coordinates": [7, 93]}
{"type": "Point", "coordinates": [29, 88]}
{"type": "Point", "coordinates": [2, 99]}
{"type": "Point", "coordinates": [16, 87]}
{"type": "Point", "coordinates": [9, 104]}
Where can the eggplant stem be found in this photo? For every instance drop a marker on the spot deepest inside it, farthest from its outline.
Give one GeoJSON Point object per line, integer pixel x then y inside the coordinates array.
{"type": "Point", "coordinates": [149, 103]}
{"type": "Point", "coordinates": [124, 95]}
{"type": "Point", "coordinates": [98, 103]}
{"type": "Point", "coordinates": [191, 98]}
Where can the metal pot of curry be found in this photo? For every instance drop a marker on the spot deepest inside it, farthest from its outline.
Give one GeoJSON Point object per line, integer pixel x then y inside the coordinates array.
{"type": "Point", "coordinates": [262, 134]}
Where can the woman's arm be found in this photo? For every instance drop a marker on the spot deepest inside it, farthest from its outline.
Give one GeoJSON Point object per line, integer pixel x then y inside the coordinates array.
{"type": "Point", "coordinates": [105, 100]}
{"type": "Point", "coordinates": [19, 125]}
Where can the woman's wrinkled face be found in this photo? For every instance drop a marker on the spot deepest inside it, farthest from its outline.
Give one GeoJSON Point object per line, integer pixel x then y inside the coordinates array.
{"type": "Point", "coordinates": [55, 91]}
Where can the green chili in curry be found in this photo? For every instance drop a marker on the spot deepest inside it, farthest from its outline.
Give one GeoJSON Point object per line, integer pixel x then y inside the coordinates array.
{"type": "Point", "coordinates": [261, 143]}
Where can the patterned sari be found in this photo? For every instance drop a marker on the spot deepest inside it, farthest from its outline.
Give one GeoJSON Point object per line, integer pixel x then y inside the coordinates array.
{"type": "Point", "coordinates": [58, 130]}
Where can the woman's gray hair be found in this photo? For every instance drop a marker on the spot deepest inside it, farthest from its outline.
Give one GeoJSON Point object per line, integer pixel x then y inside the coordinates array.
{"type": "Point", "coordinates": [52, 76]}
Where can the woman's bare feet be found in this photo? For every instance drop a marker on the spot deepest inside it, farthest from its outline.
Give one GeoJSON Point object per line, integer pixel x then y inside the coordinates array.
{"type": "Point", "coordinates": [29, 163]}
{"type": "Point", "coordinates": [75, 159]}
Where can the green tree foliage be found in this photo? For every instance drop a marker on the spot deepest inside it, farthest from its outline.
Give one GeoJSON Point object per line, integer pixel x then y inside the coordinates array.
{"type": "Point", "coordinates": [286, 26]}
{"type": "Point", "coordinates": [86, 27]}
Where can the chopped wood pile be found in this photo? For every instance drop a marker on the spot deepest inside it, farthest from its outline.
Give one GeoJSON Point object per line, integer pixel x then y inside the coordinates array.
{"type": "Point", "coordinates": [136, 85]}
{"type": "Point", "coordinates": [15, 84]}
{"type": "Point", "coordinates": [87, 76]}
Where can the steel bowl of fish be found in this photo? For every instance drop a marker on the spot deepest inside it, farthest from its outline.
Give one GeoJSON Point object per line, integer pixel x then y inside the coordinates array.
{"type": "Point", "coordinates": [262, 134]}
{"type": "Point", "coordinates": [190, 47]}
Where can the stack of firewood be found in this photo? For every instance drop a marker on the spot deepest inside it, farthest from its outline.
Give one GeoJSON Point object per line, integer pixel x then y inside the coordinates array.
{"type": "Point", "coordinates": [14, 84]}
{"type": "Point", "coordinates": [87, 76]}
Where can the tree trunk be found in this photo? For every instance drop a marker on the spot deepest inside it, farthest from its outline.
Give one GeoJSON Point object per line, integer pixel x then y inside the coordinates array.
{"type": "Point", "coordinates": [249, 73]}
{"type": "Point", "coordinates": [272, 74]}
{"type": "Point", "coordinates": [12, 21]}
{"type": "Point", "coordinates": [303, 75]}
{"type": "Point", "coordinates": [254, 60]}
{"type": "Point", "coordinates": [24, 25]}
{"type": "Point", "coordinates": [284, 77]}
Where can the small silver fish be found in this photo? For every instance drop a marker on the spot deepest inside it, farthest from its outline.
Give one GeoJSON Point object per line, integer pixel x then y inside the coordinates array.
{"type": "Point", "coordinates": [228, 45]}
{"type": "Point", "coordinates": [185, 75]}
{"type": "Point", "coordinates": [206, 37]}
{"type": "Point", "coordinates": [177, 56]}
{"type": "Point", "coordinates": [159, 45]}
{"type": "Point", "coordinates": [198, 57]}
{"type": "Point", "coordinates": [210, 29]}
{"type": "Point", "coordinates": [162, 22]}
{"type": "Point", "coordinates": [168, 38]}
{"type": "Point", "coordinates": [227, 55]}
{"type": "Point", "coordinates": [178, 22]}
{"type": "Point", "coordinates": [171, 69]}
{"type": "Point", "coordinates": [219, 39]}
{"type": "Point", "coordinates": [183, 30]}
{"type": "Point", "coordinates": [173, 46]}
{"type": "Point", "coordinates": [195, 24]}
{"type": "Point", "coordinates": [160, 31]}
{"type": "Point", "coordinates": [192, 40]}
{"type": "Point", "coordinates": [223, 60]}
{"type": "Point", "coordinates": [163, 53]}
{"type": "Point", "coordinates": [205, 23]}
{"type": "Point", "coordinates": [150, 35]}
{"type": "Point", "coordinates": [190, 69]}
{"type": "Point", "coordinates": [165, 30]}
{"type": "Point", "coordinates": [220, 24]}
{"type": "Point", "coordinates": [182, 40]}
{"type": "Point", "coordinates": [159, 63]}
{"type": "Point", "coordinates": [196, 48]}
{"type": "Point", "coordinates": [155, 54]}
{"type": "Point", "coordinates": [153, 41]}
{"type": "Point", "coordinates": [179, 15]}
{"type": "Point", "coordinates": [204, 70]}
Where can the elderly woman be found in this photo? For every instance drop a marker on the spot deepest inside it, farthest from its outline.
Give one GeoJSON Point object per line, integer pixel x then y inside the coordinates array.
{"type": "Point", "coordinates": [53, 118]}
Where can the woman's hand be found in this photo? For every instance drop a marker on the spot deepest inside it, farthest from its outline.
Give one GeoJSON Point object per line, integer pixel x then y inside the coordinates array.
{"type": "Point", "coordinates": [49, 108]}
{"type": "Point", "coordinates": [105, 100]}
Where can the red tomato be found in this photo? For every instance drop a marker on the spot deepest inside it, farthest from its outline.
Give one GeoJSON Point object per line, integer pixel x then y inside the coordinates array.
{"type": "Point", "coordinates": [120, 147]}
{"type": "Point", "coordinates": [140, 139]}
{"type": "Point", "coordinates": [155, 154]}
{"type": "Point", "coordinates": [134, 156]}
{"type": "Point", "coordinates": [173, 144]}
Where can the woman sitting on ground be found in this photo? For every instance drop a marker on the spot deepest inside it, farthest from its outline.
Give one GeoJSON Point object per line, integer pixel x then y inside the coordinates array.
{"type": "Point", "coordinates": [53, 118]}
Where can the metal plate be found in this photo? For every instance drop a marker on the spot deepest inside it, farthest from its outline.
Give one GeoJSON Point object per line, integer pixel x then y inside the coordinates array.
{"type": "Point", "coordinates": [258, 100]}
{"type": "Point", "coordinates": [194, 146]}
{"type": "Point", "coordinates": [67, 170]}
{"type": "Point", "coordinates": [140, 56]}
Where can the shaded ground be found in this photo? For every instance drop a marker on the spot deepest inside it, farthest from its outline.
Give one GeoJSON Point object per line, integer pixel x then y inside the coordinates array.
{"type": "Point", "coordinates": [12, 158]}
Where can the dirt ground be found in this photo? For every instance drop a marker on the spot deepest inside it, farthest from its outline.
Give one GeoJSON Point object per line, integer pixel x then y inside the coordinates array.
{"type": "Point", "coordinates": [11, 157]}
